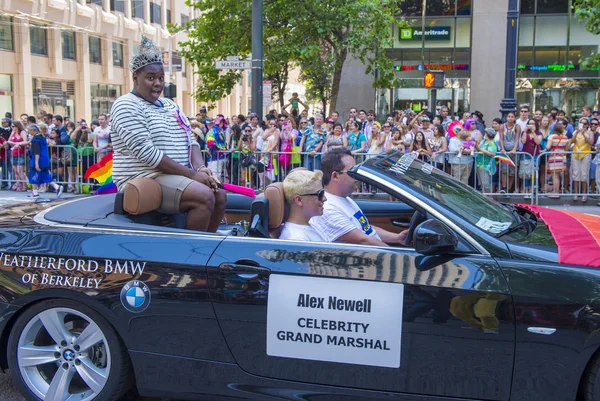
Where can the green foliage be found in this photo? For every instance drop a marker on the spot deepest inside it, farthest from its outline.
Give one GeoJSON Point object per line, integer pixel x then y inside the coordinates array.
{"type": "Point", "coordinates": [589, 11]}
{"type": "Point", "coordinates": [316, 35]}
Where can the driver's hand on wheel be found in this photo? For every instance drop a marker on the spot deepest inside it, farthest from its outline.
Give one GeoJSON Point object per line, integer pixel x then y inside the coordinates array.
{"type": "Point", "coordinates": [402, 237]}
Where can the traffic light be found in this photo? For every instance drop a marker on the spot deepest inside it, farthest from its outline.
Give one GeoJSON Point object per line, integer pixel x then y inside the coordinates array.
{"type": "Point", "coordinates": [170, 90]}
{"type": "Point", "coordinates": [434, 79]}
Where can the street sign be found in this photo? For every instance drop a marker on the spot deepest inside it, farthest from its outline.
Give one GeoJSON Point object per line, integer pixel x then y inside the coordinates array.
{"type": "Point", "coordinates": [267, 93]}
{"type": "Point", "coordinates": [233, 65]}
{"type": "Point", "coordinates": [434, 79]}
{"type": "Point", "coordinates": [232, 58]}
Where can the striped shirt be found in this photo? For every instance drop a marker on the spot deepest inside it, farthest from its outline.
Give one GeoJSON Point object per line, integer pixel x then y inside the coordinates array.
{"type": "Point", "coordinates": [142, 133]}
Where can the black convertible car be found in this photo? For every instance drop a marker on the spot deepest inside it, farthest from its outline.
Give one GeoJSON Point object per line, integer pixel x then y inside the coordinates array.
{"type": "Point", "coordinates": [95, 300]}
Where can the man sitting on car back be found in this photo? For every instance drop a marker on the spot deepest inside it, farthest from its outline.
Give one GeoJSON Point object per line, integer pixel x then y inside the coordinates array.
{"type": "Point", "coordinates": [342, 219]}
{"type": "Point", "coordinates": [152, 138]}
{"type": "Point", "coordinates": [305, 195]}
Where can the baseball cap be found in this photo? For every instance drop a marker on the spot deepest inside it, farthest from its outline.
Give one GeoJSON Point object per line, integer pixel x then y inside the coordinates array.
{"type": "Point", "coordinates": [209, 120]}
{"type": "Point", "coordinates": [329, 120]}
{"type": "Point", "coordinates": [203, 109]}
{"type": "Point", "coordinates": [425, 119]}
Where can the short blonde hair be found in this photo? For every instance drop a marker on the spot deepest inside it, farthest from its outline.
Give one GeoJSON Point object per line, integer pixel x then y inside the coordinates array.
{"type": "Point", "coordinates": [299, 182]}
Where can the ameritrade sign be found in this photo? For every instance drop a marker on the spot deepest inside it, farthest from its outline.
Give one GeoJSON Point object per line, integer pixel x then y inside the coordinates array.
{"type": "Point", "coordinates": [335, 320]}
{"type": "Point", "coordinates": [431, 33]}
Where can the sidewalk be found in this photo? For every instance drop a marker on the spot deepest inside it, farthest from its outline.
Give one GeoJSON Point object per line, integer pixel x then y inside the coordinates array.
{"type": "Point", "coordinates": [8, 197]}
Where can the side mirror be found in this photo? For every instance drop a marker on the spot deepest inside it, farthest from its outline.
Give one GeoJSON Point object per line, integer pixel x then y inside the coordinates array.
{"type": "Point", "coordinates": [432, 237]}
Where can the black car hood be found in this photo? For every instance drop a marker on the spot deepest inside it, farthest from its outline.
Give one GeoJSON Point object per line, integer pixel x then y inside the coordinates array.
{"type": "Point", "coordinates": [538, 246]}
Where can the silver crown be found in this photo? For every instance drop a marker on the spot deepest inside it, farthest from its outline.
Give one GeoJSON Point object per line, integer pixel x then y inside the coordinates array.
{"type": "Point", "coordinates": [145, 54]}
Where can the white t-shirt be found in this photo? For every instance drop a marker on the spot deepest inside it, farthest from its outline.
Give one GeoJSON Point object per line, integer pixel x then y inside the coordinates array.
{"type": "Point", "coordinates": [340, 216]}
{"type": "Point", "coordinates": [300, 232]}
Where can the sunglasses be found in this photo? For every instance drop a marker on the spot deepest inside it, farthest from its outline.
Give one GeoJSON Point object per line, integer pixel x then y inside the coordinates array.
{"type": "Point", "coordinates": [247, 130]}
{"type": "Point", "coordinates": [320, 194]}
{"type": "Point", "coordinates": [524, 111]}
{"type": "Point", "coordinates": [386, 126]}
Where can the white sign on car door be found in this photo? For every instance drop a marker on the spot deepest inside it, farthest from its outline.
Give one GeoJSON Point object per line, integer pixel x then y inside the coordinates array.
{"type": "Point", "coordinates": [335, 320]}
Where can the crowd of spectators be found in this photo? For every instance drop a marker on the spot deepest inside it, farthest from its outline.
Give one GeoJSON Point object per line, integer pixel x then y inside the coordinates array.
{"type": "Point", "coordinates": [250, 151]}
{"type": "Point", "coordinates": [247, 150]}
{"type": "Point", "coordinates": [71, 148]}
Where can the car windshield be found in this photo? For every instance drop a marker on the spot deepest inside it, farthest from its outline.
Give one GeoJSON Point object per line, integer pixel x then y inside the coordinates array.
{"type": "Point", "coordinates": [447, 191]}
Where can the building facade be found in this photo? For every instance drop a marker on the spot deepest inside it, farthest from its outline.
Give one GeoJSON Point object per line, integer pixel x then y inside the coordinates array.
{"type": "Point", "coordinates": [467, 40]}
{"type": "Point", "coordinates": [70, 57]}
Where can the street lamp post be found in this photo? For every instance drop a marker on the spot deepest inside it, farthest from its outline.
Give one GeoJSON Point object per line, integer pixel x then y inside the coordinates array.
{"type": "Point", "coordinates": [257, 58]}
{"type": "Point", "coordinates": [509, 103]}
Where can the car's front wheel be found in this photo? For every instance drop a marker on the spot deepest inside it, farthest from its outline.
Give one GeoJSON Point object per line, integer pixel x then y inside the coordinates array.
{"type": "Point", "coordinates": [60, 350]}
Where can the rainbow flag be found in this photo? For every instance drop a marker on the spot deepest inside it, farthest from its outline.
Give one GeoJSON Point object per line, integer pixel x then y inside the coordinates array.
{"type": "Point", "coordinates": [102, 172]}
{"type": "Point", "coordinates": [577, 235]}
{"type": "Point", "coordinates": [503, 157]}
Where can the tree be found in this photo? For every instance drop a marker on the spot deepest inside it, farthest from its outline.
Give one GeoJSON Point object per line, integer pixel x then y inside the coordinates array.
{"type": "Point", "coordinates": [317, 74]}
{"type": "Point", "coordinates": [316, 35]}
{"type": "Point", "coordinates": [589, 10]}
{"type": "Point", "coordinates": [357, 28]}
{"type": "Point", "coordinates": [223, 29]}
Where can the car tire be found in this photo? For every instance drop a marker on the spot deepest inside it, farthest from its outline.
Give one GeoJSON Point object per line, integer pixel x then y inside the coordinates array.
{"type": "Point", "coordinates": [52, 356]}
{"type": "Point", "coordinates": [591, 383]}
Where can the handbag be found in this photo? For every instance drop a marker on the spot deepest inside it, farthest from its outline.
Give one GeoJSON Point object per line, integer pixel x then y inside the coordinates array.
{"type": "Point", "coordinates": [526, 168]}
{"type": "Point", "coordinates": [284, 158]}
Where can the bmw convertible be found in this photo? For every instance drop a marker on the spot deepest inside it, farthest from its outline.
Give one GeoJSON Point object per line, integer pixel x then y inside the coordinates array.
{"type": "Point", "coordinates": [101, 296]}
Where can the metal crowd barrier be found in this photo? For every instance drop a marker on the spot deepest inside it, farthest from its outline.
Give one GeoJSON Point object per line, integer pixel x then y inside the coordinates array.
{"type": "Point", "coordinates": [528, 179]}
{"type": "Point", "coordinates": [556, 174]}
{"type": "Point", "coordinates": [65, 170]}
{"type": "Point", "coordinates": [564, 174]}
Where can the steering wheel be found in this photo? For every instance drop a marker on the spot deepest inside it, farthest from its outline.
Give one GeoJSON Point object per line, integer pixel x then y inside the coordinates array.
{"type": "Point", "coordinates": [417, 218]}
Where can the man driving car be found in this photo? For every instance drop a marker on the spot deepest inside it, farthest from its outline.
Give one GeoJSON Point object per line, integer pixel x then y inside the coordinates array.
{"type": "Point", "coordinates": [342, 219]}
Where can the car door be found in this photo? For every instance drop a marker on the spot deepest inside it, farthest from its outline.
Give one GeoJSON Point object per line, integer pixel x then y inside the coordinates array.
{"type": "Point", "coordinates": [439, 326]}
{"type": "Point", "coordinates": [176, 316]}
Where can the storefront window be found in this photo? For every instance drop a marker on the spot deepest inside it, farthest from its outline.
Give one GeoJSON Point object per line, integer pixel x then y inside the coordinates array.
{"type": "Point", "coordinates": [6, 36]}
{"type": "Point", "coordinates": [68, 45]}
{"type": "Point", "coordinates": [117, 5]}
{"type": "Point", "coordinates": [567, 94]}
{"type": "Point", "coordinates": [95, 50]}
{"type": "Point", "coordinates": [527, 6]}
{"type": "Point", "coordinates": [446, 46]}
{"type": "Point", "coordinates": [117, 49]}
{"type": "Point", "coordinates": [155, 13]}
{"type": "Point", "coordinates": [137, 8]}
{"type": "Point", "coordinates": [6, 93]}
{"type": "Point", "coordinates": [412, 96]}
{"type": "Point", "coordinates": [103, 97]}
{"type": "Point", "coordinates": [39, 42]}
{"type": "Point", "coordinates": [436, 7]}
{"type": "Point", "coordinates": [552, 6]}
{"type": "Point", "coordinates": [51, 96]}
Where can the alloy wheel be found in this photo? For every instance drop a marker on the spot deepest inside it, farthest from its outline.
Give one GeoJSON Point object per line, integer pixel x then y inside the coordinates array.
{"type": "Point", "coordinates": [63, 355]}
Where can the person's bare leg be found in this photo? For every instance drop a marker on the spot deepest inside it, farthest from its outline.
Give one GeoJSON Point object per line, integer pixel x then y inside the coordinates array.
{"type": "Point", "coordinates": [198, 202]}
{"type": "Point", "coordinates": [218, 210]}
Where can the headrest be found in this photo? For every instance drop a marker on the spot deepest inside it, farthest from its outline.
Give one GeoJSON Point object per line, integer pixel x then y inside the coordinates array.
{"type": "Point", "coordinates": [142, 195]}
{"type": "Point", "coordinates": [274, 193]}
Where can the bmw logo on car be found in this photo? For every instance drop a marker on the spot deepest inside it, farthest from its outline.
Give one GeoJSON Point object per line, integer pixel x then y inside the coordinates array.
{"type": "Point", "coordinates": [135, 296]}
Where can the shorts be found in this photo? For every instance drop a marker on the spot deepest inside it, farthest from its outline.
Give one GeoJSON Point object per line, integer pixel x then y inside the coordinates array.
{"type": "Point", "coordinates": [18, 160]}
{"type": "Point", "coordinates": [172, 190]}
{"type": "Point", "coordinates": [580, 169]}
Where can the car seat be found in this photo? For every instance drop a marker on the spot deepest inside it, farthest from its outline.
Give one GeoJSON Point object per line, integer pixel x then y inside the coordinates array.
{"type": "Point", "coordinates": [269, 211]}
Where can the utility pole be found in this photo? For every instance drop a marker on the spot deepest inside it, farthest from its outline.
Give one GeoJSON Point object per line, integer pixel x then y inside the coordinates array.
{"type": "Point", "coordinates": [509, 103]}
{"type": "Point", "coordinates": [257, 58]}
